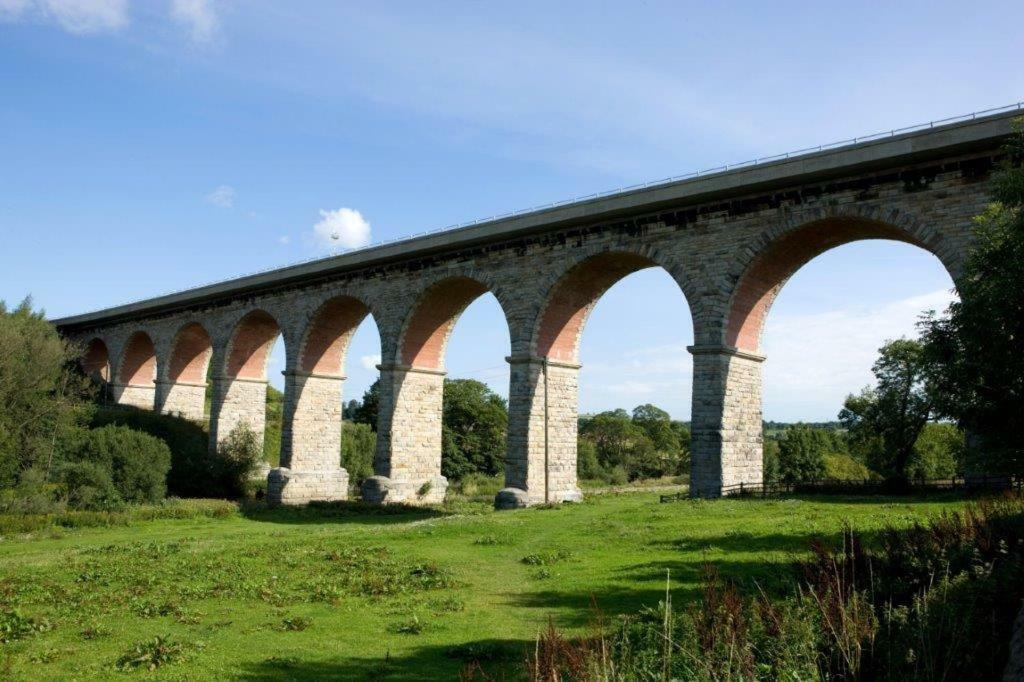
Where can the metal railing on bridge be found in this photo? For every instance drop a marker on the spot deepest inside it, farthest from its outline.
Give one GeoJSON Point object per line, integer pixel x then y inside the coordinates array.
{"type": "Point", "coordinates": [1018, 106]}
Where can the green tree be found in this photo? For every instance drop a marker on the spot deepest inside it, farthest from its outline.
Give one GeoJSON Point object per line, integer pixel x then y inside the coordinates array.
{"type": "Point", "coordinates": [474, 429]}
{"type": "Point", "coordinates": [358, 446]}
{"type": "Point", "coordinates": [886, 420]}
{"type": "Point", "coordinates": [43, 398]}
{"type": "Point", "coordinates": [976, 350]}
{"type": "Point", "coordinates": [365, 412]}
{"type": "Point", "coordinates": [802, 453]}
{"type": "Point", "coordinates": [588, 467]}
{"type": "Point", "coordinates": [938, 452]}
{"type": "Point", "coordinates": [770, 472]}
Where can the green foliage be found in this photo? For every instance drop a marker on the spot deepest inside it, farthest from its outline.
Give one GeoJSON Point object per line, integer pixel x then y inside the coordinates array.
{"type": "Point", "coordinates": [938, 452]}
{"type": "Point", "coordinates": [134, 463]}
{"type": "Point", "coordinates": [15, 626]}
{"type": "Point", "coordinates": [884, 422]}
{"type": "Point", "coordinates": [358, 446]}
{"type": "Point", "coordinates": [240, 457]}
{"type": "Point", "coordinates": [195, 471]}
{"type": "Point", "coordinates": [21, 522]}
{"type": "Point", "coordinates": [192, 468]}
{"type": "Point", "coordinates": [42, 395]}
{"type": "Point", "coordinates": [365, 411]}
{"type": "Point", "coordinates": [802, 453]}
{"type": "Point", "coordinates": [474, 428]}
{"type": "Point", "coordinates": [272, 428]}
{"type": "Point", "coordinates": [771, 472]}
{"type": "Point", "coordinates": [975, 351]}
{"type": "Point", "coordinates": [615, 447]}
{"type": "Point", "coordinates": [843, 467]}
{"type": "Point", "coordinates": [88, 485]}
{"type": "Point", "coordinates": [150, 654]}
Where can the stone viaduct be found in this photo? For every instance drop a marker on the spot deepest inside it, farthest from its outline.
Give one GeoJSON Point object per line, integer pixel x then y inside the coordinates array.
{"type": "Point", "coordinates": [730, 239]}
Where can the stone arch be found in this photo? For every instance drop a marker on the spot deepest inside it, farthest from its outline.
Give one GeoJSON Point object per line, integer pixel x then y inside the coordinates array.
{"type": "Point", "coordinates": [430, 323]}
{"type": "Point", "coordinates": [326, 338]}
{"type": "Point", "coordinates": [96, 360]}
{"type": "Point", "coordinates": [249, 348]}
{"type": "Point", "coordinates": [138, 365]}
{"type": "Point", "coordinates": [573, 295]}
{"type": "Point", "coordinates": [190, 354]}
{"type": "Point", "coordinates": [780, 253]}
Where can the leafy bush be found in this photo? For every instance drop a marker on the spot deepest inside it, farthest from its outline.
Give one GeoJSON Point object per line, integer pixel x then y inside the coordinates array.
{"type": "Point", "coordinates": [89, 485]}
{"type": "Point", "coordinates": [240, 456]}
{"type": "Point", "coordinates": [193, 471]}
{"type": "Point", "coordinates": [137, 463]}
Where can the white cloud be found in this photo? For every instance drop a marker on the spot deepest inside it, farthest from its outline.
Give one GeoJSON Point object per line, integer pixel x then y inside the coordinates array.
{"type": "Point", "coordinates": [370, 362]}
{"type": "Point", "coordinates": [198, 16]}
{"type": "Point", "coordinates": [74, 16]}
{"type": "Point", "coordinates": [284, 239]}
{"type": "Point", "coordinates": [12, 9]}
{"type": "Point", "coordinates": [344, 227]}
{"type": "Point", "coordinates": [815, 360]}
{"type": "Point", "coordinates": [223, 196]}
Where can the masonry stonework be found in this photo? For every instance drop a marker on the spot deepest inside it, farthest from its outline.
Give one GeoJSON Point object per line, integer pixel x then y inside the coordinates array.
{"type": "Point", "coordinates": [310, 441]}
{"type": "Point", "coordinates": [407, 466]}
{"type": "Point", "coordinates": [730, 241]}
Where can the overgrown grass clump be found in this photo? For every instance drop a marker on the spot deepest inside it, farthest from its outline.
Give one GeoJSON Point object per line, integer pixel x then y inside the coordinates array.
{"type": "Point", "coordinates": [18, 524]}
{"type": "Point", "coordinates": [933, 601]}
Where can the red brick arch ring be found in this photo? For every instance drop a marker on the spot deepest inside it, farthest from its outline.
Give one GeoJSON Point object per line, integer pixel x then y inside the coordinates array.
{"type": "Point", "coordinates": [326, 338]}
{"type": "Point", "coordinates": [430, 323]}
{"type": "Point", "coordinates": [138, 364]}
{"type": "Point", "coordinates": [248, 350]}
{"type": "Point", "coordinates": [96, 360]}
{"type": "Point", "coordinates": [190, 355]}
{"type": "Point", "coordinates": [781, 253]}
{"type": "Point", "coordinates": [572, 297]}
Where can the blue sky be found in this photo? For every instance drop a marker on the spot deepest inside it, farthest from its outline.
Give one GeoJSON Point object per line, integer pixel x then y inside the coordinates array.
{"type": "Point", "coordinates": [151, 146]}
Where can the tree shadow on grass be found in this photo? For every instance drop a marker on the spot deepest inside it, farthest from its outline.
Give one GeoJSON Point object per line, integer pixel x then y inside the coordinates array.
{"type": "Point", "coordinates": [500, 659]}
{"type": "Point", "coordinates": [644, 583]}
{"type": "Point", "coordinates": [340, 512]}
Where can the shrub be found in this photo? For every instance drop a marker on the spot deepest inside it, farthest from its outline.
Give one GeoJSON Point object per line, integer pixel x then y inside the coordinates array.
{"type": "Point", "coordinates": [240, 456]}
{"type": "Point", "coordinates": [89, 485]}
{"type": "Point", "coordinates": [193, 472]}
{"type": "Point", "coordinates": [150, 654]}
{"type": "Point", "coordinates": [137, 462]}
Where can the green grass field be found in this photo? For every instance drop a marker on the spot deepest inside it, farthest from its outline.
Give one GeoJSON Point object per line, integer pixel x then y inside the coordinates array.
{"type": "Point", "coordinates": [408, 594]}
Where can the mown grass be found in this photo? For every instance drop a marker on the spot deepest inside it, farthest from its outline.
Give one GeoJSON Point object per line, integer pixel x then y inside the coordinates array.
{"type": "Point", "coordinates": [351, 592]}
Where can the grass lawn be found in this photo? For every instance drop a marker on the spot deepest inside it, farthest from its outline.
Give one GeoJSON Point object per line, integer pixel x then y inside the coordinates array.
{"type": "Point", "coordinates": [342, 593]}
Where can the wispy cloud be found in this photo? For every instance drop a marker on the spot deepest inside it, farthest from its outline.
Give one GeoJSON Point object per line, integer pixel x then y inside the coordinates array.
{"type": "Point", "coordinates": [815, 360]}
{"type": "Point", "coordinates": [370, 362]}
{"type": "Point", "coordinates": [343, 227]}
{"type": "Point", "coordinates": [223, 196]}
{"type": "Point", "coordinates": [284, 239]}
{"type": "Point", "coordinates": [200, 17]}
{"type": "Point", "coordinates": [74, 16]}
